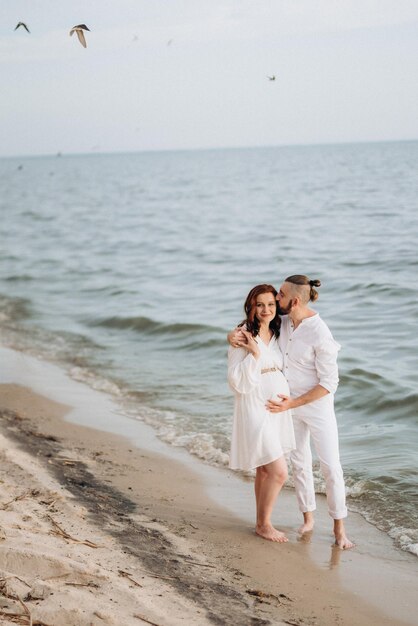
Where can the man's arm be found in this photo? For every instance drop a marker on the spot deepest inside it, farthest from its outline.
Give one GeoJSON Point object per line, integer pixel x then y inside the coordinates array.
{"type": "Point", "coordinates": [287, 403]}
{"type": "Point", "coordinates": [327, 371]}
{"type": "Point", "coordinates": [236, 338]}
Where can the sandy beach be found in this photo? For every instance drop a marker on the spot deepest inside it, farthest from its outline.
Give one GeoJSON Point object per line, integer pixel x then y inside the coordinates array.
{"type": "Point", "coordinates": [108, 525]}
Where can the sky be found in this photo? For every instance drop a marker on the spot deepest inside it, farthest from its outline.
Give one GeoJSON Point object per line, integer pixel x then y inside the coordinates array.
{"type": "Point", "coordinates": [186, 74]}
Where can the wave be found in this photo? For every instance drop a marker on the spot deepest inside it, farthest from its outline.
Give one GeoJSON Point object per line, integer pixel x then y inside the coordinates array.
{"type": "Point", "coordinates": [100, 383]}
{"type": "Point", "coordinates": [146, 325]}
{"type": "Point", "coordinates": [360, 375]}
{"type": "Point", "coordinates": [39, 217]}
{"type": "Point", "coordinates": [201, 445]}
{"type": "Point", "coordinates": [18, 277]}
{"type": "Point", "coordinates": [381, 288]}
{"type": "Point", "coordinates": [382, 503]}
{"type": "Point", "coordinates": [407, 404]}
{"type": "Point", "coordinates": [14, 309]}
{"type": "Point", "coordinates": [20, 333]}
{"type": "Point", "coordinates": [382, 394]}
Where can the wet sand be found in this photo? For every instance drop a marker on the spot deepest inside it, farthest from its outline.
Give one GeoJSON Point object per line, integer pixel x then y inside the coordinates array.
{"type": "Point", "coordinates": [108, 525]}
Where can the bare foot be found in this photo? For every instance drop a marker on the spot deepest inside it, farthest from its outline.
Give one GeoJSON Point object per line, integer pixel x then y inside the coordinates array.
{"type": "Point", "coordinates": [305, 537]}
{"type": "Point", "coordinates": [341, 539]}
{"type": "Point", "coordinates": [306, 528]}
{"type": "Point", "coordinates": [268, 532]}
{"type": "Point", "coordinates": [308, 523]}
{"type": "Point", "coordinates": [343, 542]}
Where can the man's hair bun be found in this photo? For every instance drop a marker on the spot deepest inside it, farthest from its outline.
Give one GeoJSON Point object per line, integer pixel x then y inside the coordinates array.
{"type": "Point", "coordinates": [315, 283]}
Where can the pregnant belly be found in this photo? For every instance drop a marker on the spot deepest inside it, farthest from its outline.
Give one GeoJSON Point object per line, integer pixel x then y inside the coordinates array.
{"type": "Point", "coordinates": [272, 384]}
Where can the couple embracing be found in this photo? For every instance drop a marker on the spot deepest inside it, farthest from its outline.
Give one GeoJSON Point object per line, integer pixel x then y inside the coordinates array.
{"type": "Point", "coordinates": [282, 367]}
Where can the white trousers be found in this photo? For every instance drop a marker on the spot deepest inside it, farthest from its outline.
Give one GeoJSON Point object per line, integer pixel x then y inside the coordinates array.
{"type": "Point", "coordinates": [324, 432]}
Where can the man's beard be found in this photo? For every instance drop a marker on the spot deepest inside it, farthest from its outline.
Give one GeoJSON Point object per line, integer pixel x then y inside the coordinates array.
{"type": "Point", "coordinates": [286, 310]}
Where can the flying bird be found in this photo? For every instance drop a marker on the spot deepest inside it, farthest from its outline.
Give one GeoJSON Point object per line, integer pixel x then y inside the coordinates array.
{"type": "Point", "coordinates": [271, 77]}
{"type": "Point", "coordinates": [22, 24]}
{"type": "Point", "coordinates": [79, 30]}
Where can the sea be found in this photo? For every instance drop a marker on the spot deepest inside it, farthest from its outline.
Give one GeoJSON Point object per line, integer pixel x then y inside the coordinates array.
{"type": "Point", "coordinates": [128, 270]}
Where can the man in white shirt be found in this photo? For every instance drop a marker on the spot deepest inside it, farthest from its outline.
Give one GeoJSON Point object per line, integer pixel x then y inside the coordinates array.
{"type": "Point", "coordinates": [310, 367]}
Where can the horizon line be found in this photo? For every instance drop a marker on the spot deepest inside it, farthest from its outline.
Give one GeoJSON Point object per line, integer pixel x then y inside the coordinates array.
{"type": "Point", "coordinates": [60, 153]}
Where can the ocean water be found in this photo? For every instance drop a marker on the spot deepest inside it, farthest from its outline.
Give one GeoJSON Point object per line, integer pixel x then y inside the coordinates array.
{"type": "Point", "coordinates": [129, 269]}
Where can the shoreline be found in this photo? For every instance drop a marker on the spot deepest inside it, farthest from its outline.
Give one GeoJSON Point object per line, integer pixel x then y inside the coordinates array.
{"type": "Point", "coordinates": [177, 518]}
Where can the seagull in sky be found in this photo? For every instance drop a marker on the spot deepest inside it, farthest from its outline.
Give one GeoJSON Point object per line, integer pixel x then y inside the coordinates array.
{"type": "Point", "coordinates": [79, 30]}
{"type": "Point", "coordinates": [271, 77]}
{"type": "Point", "coordinates": [22, 24]}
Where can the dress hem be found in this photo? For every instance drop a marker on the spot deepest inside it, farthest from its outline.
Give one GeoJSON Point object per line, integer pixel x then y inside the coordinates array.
{"type": "Point", "coordinates": [265, 461]}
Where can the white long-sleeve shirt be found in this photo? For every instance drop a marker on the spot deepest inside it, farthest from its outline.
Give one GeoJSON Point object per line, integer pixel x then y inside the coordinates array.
{"type": "Point", "coordinates": [310, 358]}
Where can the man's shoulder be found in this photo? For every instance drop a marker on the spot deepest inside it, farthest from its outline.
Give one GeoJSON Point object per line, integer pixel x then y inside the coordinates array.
{"type": "Point", "coordinates": [319, 327]}
{"type": "Point", "coordinates": [323, 339]}
{"type": "Point", "coordinates": [319, 322]}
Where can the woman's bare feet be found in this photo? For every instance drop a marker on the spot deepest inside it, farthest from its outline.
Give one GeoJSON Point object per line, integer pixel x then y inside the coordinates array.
{"type": "Point", "coordinates": [267, 531]}
{"type": "Point", "coordinates": [308, 523]}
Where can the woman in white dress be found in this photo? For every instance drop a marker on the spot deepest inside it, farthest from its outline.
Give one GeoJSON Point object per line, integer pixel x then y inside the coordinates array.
{"type": "Point", "coordinates": [259, 439]}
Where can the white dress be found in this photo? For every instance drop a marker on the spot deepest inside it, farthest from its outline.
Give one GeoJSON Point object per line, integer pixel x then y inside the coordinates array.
{"type": "Point", "coordinates": [258, 436]}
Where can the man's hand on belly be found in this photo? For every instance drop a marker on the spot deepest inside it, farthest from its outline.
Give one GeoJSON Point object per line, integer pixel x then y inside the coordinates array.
{"type": "Point", "coordinates": [277, 406]}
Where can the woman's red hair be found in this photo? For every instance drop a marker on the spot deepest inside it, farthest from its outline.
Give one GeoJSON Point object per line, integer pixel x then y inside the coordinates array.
{"type": "Point", "coordinates": [251, 321]}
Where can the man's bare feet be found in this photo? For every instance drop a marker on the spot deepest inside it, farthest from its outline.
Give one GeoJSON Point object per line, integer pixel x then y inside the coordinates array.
{"type": "Point", "coordinates": [343, 542]}
{"type": "Point", "coordinates": [308, 523]}
{"type": "Point", "coordinates": [341, 539]}
{"type": "Point", "coordinates": [268, 532]}
{"type": "Point", "coordinates": [305, 537]}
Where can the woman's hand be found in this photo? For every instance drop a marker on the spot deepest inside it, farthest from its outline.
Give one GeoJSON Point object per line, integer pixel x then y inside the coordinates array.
{"type": "Point", "coordinates": [250, 343]}
{"type": "Point", "coordinates": [278, 406]}
{"type": "Point", "coordinates": [244, 339]}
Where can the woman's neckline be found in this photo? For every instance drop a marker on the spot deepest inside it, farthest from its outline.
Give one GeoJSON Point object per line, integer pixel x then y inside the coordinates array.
{"type": "Point", "coordinates": [269, 341]}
